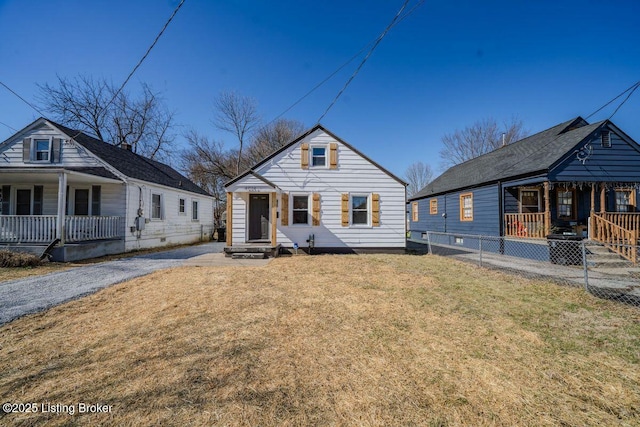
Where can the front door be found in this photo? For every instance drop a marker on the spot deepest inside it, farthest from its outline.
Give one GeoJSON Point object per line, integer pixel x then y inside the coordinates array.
{"type": "Point", "coordinates": [259, 217]}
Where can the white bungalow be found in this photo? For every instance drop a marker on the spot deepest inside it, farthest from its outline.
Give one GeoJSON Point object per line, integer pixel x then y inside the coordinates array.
{"type": "Point", "coordinates": [316, 192]}
{"type": "Point", "coordinates": [87, 198]}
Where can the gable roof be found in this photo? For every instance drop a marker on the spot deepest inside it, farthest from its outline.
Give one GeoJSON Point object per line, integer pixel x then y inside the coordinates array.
{"type": "Point", "coordinates": [131, 164]}
{"type": "Point", "coordinates": [534, 154]}
{"type": "Point", "coordinates": [252, 170]}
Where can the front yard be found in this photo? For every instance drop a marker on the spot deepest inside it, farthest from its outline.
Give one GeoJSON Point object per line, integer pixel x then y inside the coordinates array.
{"type": "Point", "coordinates": [329, 340]}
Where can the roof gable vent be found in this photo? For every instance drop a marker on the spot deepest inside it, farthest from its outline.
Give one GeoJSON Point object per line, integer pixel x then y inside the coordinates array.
{"type": "Point", "coordinates": [605, 139]}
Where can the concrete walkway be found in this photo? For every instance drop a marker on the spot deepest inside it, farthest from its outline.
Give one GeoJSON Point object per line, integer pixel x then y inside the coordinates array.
{"type": "Point", "coordinates": [37, 293]}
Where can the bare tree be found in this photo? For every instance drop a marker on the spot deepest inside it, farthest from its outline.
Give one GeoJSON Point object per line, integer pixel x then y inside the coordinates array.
{"type": "Point", "coordinates": [88, 104]}
{"type": "Point", "coordinates": [273, 136]}
{"type": "Point", "coordinates": [238, 115]}
{"type": "Point", "coordinates": [208, 165]}
{"type": "Point", "coordinates": [480, 138]}
{"type": "Point", "coordinates": [418, 175]}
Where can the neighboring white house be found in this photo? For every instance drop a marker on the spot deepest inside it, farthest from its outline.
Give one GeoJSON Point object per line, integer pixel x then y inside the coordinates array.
{"type": "Point", "coordinates": [97, 199]}
{"type": "Point", "coordinates": [317, 185]}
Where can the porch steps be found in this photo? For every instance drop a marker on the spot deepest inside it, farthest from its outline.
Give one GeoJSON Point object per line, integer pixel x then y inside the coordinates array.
{"type": "Point", "coordinates": [252, 251]}
{"type": "Point", "coordinates": [255, 255]}
{"type": "Point", "coordinates": [601, 257]}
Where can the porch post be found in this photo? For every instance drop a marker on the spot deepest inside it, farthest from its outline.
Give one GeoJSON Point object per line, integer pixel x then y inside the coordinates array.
{"type": "Point", "coordinates": [592, 212]}
{"type": "Point", "coordinates": [602, 198]}
{"type": "Point", "coordinates": [547, 209]}
{"type": "Point", "coordinates": [229, 218]}
{"type": "Point", "coordinates": [274, 219]}
{"type": "Point", "coordinates": [62, 203]}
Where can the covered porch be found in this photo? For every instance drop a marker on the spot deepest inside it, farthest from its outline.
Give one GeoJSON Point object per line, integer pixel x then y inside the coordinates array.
{"type": "Point", "coordinates": [604, 212]}
{"type": "Point", "coordinates": [41, 205]}
{"type": "Point", "coordinates": [252, 217]}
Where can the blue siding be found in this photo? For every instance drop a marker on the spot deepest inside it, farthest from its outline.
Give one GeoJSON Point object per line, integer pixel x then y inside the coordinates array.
{"type": "Point", "coordinates": [486, 214]}
{"type": "Point", "coordinates": [619, 163]}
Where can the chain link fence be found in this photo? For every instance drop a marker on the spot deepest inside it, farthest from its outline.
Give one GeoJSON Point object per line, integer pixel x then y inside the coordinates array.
{"type": "Point", "coordinates": [568, 260]}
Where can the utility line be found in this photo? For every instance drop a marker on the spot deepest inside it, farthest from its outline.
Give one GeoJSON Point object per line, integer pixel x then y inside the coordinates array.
{"type": "Point", "coordinates": [402, 18]}
{"type": "Point", "coordinates": [22, 99]}
{"type": "Point", "coordinates": [144, 56]}
{"type": "Point", "coordinates": [375, 44]}
{"type": "Point", "coordinates": [632, 88]}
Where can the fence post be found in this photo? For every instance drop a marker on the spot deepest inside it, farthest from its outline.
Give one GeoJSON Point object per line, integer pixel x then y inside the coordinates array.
{"type": "Point", "coordinates": [429, 242]}
{"type": "Point", "coordinates": [585, 267]}
{"type": "Point", "coordinates": [480, 247]}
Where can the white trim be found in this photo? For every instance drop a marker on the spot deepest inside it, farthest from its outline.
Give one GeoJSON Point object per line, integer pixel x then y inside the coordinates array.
{"type": "Point", "coordinates": [196, 210]}
{"type": "Point", "coordinates": [369, 213]}
{"type": "Point", "coordinates": [291, 210]}
{"type": "Point", "coordinates": [325, 147]}
{"type": "Point", "coordinates": [184, 206]}
{"type": "Point", "coordinates": [151, 213]}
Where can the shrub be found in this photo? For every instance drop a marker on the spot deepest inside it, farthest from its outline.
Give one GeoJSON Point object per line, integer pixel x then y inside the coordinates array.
{"type": "Point", "coordinates": [18, 259]}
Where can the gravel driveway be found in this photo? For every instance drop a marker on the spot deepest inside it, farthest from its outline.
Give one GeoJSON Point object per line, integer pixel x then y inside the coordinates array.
{"type": "Point", "coordinates": [34, 294]}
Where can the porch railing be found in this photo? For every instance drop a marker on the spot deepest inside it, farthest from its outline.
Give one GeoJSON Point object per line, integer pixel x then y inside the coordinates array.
{"type": "Point", "coordinates": [618, 231]}
{"type": "Point", "coordinates": [525, 225]}
{"type": "Point", "coordinates": [83, 228]}
{"type": "Point", "coordinates": [43, 228]}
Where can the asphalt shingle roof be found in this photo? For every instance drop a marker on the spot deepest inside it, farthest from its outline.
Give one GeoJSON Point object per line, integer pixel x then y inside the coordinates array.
{"type": "Point", "coordinates": [535, 153]}
{"type": "Point", "coordinates": [131, 164]}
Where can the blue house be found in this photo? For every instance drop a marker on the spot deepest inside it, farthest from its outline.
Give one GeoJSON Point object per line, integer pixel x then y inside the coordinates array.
{"type": "Point", "coordinates": [575, 177]}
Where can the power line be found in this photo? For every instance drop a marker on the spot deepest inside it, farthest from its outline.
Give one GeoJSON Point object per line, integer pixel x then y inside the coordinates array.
{"type": "Point", "coordinates": [22, 99]}
{"type": "Point", "coordinates": [402, 18]}
{"type": "Point", "coordinates": [625, 100]}
{"type": "Point", "coordinates": [632, 88]}
{"type": "Point", "coordinates": [144, 56]}
{"type": "Point", "coordinates": [375, 44]}
{"type": "Point", "coordinates": [10, 127]}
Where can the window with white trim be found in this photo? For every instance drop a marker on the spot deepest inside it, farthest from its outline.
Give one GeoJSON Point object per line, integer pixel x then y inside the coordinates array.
{"type": "Point", "coordinates": [156, 206]}
{"type": "Point", "coordinates": [182, 210]}
{"type": "Point", "coordinates": [359, 209]}
{"type": "Point", "coordinates": [42, 149]}
{"type": "Point", "coordinates": [300, 209]}
{"type": "Point", "coordinates": [318, 156]}
{"type": "Point", "coordinates": [194, 210]}
{"type": "Point", "coordinates": [566, 204]}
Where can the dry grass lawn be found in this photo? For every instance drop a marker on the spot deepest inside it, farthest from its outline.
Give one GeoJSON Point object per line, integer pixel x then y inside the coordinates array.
{"type": "Point", "coordinates": [330, 340]}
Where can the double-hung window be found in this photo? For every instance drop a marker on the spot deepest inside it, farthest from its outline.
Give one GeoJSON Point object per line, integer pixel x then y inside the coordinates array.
{"type": "Point", "coordinates": [181, 207]}
{"type": "Point", "coordinates": [194, 210]}
{"type": "Point", "coordinates": [566, 204]}
{"type": "Point", "coordinates": [466, 207]}
{"type": "Point", "coordinates": [42, 150]}
{"type": "Point", "coordinates": [359, 210]}
{"type": "Point", "coordinates": [318, 156]}
{"type": "Point", "coordinates": [625, 199]}
{"type": "Point", "coordinates": [156, 206]}
{"type": "Point", "coordinates": [300, 209]}
{"type": "Point", "coordinates": [529, 200]}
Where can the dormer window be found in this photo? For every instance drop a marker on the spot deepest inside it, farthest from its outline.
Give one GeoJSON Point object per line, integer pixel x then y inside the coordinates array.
{"type": "Point", "coordinates": [42, 150]}
{"type": "Point", "coordinates": [318, 156]}
{"type": "Point", "coordinates": [605, 138]}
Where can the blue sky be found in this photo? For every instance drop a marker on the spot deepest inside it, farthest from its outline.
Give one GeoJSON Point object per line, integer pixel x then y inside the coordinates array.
{"type": "Point", "coordinates": [444, 67]}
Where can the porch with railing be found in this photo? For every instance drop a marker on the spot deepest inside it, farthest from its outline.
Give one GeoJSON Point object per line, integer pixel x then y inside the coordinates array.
{"type": "Point", "coordinates": [618, 231]}
{"type": "Point", "coordinates": [526, 225]}
{"type": "Point", "coordinates": [43, 229]}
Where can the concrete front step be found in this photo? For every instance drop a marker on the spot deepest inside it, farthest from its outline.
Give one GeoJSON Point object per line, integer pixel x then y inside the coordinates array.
{"type": "Point", "coordinates": [249, 255]}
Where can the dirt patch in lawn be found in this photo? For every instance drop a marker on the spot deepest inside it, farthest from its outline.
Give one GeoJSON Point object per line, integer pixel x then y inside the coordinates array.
{"type": "Point", "coordinates": [329, 340]}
